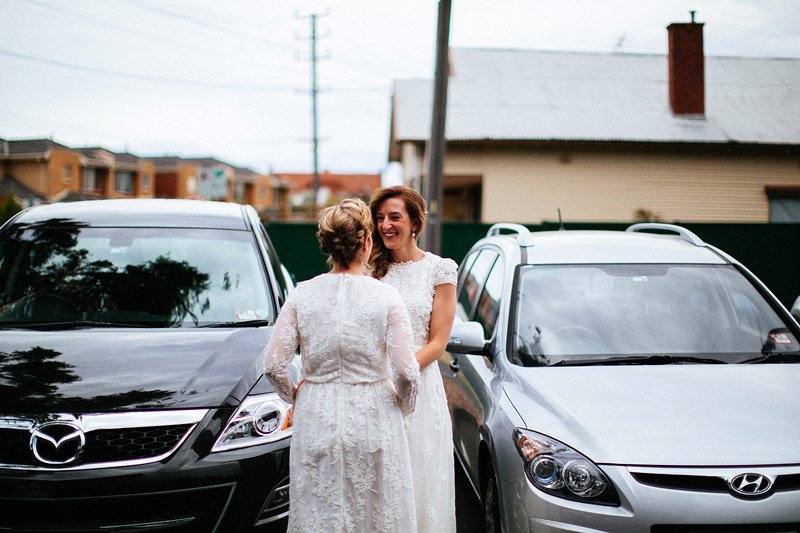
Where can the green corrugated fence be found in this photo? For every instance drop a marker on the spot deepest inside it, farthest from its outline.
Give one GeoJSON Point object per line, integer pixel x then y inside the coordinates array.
{"type": "Point", "coordinates": [770, 251]}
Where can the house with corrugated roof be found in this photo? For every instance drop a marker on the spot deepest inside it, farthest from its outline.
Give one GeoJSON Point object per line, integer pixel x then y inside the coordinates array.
{"type": "Point", "coordinates": [610, 137]}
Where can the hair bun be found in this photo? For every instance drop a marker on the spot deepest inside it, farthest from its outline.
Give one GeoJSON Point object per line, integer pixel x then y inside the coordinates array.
{"type": "Point", "coordinates": [342, 230]}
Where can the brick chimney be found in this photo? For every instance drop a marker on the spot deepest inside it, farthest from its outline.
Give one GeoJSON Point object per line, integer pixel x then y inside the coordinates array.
{"type": "Point", "coordinates": [686, 68]}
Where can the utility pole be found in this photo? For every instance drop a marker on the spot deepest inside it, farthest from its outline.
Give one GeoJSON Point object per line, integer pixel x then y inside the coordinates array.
{"type": "Point", "coordinates": [432, 238]}
{"type": "Point", "coordinates": [314, 92]}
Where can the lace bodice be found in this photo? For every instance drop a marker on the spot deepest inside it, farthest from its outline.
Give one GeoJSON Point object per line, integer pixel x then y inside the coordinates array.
{"type": "Point", "coordinates": [350, 329]}
{"type": "Point", "coordinates": [416, 281]}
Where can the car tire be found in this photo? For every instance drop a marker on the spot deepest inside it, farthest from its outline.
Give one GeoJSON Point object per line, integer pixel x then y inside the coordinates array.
{"type": "Point", "coordinates": [491, 502]}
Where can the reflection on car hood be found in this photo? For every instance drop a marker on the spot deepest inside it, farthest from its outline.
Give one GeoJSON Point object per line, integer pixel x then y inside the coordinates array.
{"type": "Point", "coordinates": [676, 415]}
{"type": "Point", "coordinates": [118, 369]}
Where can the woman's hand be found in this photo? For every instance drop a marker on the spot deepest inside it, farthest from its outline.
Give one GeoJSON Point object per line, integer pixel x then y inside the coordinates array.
{"type": "Point", "coordinates": [297, 388]}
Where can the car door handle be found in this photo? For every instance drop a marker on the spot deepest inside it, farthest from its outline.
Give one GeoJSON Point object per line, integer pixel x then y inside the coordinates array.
{"type": "Point", "coordinates": [454, 365]}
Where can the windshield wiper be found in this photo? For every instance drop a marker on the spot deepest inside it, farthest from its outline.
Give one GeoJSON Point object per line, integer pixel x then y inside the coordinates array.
{"type": "Point", "coordinates": [238, 324]}
{"type": "Point", "coordinates": [782, 357]}
{"type": "Point", "coordinates": [75, 324]}
{"type": "Point", "coordinates": [641, 360]}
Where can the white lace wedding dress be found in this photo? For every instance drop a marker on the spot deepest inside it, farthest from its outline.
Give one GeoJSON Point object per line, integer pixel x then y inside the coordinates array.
{"type": "Point", "coordinates": [349, 465]}
{"type": "Point", "coordinates": [429, 426]}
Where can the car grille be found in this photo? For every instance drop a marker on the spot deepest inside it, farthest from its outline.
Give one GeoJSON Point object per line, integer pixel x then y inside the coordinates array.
{"type": "Point", "coordinates": [785, 482]}
{"type": "Point", "coordinates": [109, 440]}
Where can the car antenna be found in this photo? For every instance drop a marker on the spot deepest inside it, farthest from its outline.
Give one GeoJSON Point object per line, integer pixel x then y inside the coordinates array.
{"type": "Point", "coordinates": [560, 222]}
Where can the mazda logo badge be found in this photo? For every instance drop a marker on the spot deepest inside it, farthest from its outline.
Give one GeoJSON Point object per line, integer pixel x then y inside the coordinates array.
{"type": "Point", "coordinates": [57, 443]}
{"type": "Point", "coordinates": [750, 484]}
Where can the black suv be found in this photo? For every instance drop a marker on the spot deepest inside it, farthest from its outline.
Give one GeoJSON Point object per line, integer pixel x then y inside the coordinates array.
{"type": "Point", "coordinates": [131, 394]}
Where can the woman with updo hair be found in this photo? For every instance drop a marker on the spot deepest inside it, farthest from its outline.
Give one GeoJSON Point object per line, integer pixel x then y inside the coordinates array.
{"type": "Point", "coordinates": [349, 465]}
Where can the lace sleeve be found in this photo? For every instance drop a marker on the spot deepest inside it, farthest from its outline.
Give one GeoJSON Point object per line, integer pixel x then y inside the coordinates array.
{"type": "Point", "coordinates": [399, 342]}
{"type": "Point", "coordinates": [445, 272]}
{"type": "Point", "coordinates": [280, 352]}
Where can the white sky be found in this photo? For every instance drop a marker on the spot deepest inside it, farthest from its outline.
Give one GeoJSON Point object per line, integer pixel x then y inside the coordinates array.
{"type": "Point", "coordinates": [230, 79]}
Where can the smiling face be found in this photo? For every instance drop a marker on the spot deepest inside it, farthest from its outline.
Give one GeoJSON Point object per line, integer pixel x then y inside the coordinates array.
{"type": "Point", "coordinates": [394, 224]}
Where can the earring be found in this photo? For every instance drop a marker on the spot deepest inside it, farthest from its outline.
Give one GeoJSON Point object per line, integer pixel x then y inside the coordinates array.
{"type": "Point", "coordinates": [413, 234]}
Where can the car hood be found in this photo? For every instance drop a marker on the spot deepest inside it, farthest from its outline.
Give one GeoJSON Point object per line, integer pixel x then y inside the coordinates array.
{"type": "Point", "coordinates": [681, 415]}
{"type": "Point", "coordinates": [121, 369]}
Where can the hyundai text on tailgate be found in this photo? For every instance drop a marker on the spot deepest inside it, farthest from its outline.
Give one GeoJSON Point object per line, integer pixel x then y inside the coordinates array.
{"type": "Point", "coordinates": [131, 395]}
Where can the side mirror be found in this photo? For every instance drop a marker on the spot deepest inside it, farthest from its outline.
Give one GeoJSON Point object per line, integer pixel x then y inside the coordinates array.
{"type": "Point", "coordinates": [466, 337]}
{"type": "Point", "coordinates": [796, 309]}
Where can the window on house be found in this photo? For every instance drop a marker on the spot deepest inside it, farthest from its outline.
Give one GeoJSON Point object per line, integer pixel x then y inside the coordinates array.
{"type": "Point", "coordinates": [146, 182]}
{"type": "Point", "coordinates": [123, 182]}
{"type": "Point", "coordinates": [66, 176]}
{"type": "Point", "coordinates": [238, 192]}
{"type": "Point", "coordinates": [262, 193]}
{"type": "Point", "coordinates": [89, 179]}
{"type": "Point", "coordinates": [784, 204]}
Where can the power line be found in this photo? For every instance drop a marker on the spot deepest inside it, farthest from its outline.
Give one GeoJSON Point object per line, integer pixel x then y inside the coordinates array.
{"type": "Point", "coordinates": [148, 77]}
{"type": "Point", "coordinates": [210, 25]}
{"type": "Point", "coordinates": [118, 27]}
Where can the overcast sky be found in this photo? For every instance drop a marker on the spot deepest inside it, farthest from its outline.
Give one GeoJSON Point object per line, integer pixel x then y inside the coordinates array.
{"type": "Point", "coordinates": [231, 79]}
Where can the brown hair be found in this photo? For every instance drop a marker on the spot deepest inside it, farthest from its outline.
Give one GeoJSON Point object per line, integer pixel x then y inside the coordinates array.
{"type": "Point", "coordinates": [343, 229]}
{"type": "Point", "coordinates": [415, 206]}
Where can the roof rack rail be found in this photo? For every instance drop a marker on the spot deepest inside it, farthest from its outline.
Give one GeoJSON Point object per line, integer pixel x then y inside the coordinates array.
{"type": "Point", "coordinates": [684, 233]}
{"type": "Point", "coordinates": [515, 228]}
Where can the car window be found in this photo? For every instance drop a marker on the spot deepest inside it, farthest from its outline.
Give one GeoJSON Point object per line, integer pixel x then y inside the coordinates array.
{"type": "Point", "coordinates": [473, 282]}
{"type": "Point", "coordinates": [588, 311]}
{"type": "Point", "coordinates": [489, 301]}
{"type": "Point", "coordinates": [158, 277]}
{"type": "Point", "coordinates": [466, 265]}
{"type": "Point", "coordinates": [284, 282]}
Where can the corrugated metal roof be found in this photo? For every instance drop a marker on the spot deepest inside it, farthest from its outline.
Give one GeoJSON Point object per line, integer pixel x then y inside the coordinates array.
{"type": "Point", "coordinates": [539, 95]}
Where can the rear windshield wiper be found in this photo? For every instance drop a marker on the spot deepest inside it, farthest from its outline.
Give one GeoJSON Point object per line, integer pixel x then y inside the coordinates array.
{"type": "Point", "coordinates": [238, 324]}
{"type": "Point", "coordinates": [75, 324]}
{"type": "Point", "coordinates": [641, 360]}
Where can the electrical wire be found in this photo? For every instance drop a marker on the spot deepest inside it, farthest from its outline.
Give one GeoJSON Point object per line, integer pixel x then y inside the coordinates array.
{"type": "Point", "coordinates": [148, 77]}
{"type": "Point", "coordinates": [210, 25]}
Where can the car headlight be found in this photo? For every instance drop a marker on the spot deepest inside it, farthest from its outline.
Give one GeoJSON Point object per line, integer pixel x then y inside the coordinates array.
{"type": "Point", "coordinates": [557, 469]}
{"type": "Point", "coordinates": [260, 419]}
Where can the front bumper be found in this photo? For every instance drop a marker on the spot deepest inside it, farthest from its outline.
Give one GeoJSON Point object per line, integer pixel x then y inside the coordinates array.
{"type": "Point", "coordinates": [225, 491]}
{"type": "Point", "coordinates": [654, 509]}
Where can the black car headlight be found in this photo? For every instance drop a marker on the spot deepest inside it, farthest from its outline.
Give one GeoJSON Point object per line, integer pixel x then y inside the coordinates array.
{"type": "Point", "coordinates": [260, 419]}
{"type": "Point", "coordinates": [557, 469]}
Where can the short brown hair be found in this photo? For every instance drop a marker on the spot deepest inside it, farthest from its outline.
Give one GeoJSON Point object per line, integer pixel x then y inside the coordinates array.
{"type": "Point", "coordinates": [415, 206]}
{"type": "Point", "coordinates": [343, 228]}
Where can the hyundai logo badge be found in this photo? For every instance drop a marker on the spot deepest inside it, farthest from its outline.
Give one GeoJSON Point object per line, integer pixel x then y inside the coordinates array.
{"type": "Point", "coordinates": [750, 484]}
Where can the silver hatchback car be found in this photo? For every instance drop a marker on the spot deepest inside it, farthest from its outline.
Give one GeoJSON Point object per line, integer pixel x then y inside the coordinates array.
{"type": "Point", "coordinates": [623, 381]}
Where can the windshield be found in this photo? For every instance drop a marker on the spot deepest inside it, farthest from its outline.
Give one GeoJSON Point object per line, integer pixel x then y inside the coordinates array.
{"type": "Point", "coordinates": [595, 312]}
{"type": "Point", "coordinates": [61, 272]}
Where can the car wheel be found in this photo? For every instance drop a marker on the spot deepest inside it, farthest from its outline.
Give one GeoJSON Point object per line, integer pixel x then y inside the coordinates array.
{"type": "Point", "coordinates": [491, 503]}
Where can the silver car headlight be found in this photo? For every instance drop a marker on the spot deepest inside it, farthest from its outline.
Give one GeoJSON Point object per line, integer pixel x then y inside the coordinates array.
{"type": "Point", "coordinates": [557, 469]}
{"type": "Point", "coordinates": [260, 419]}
